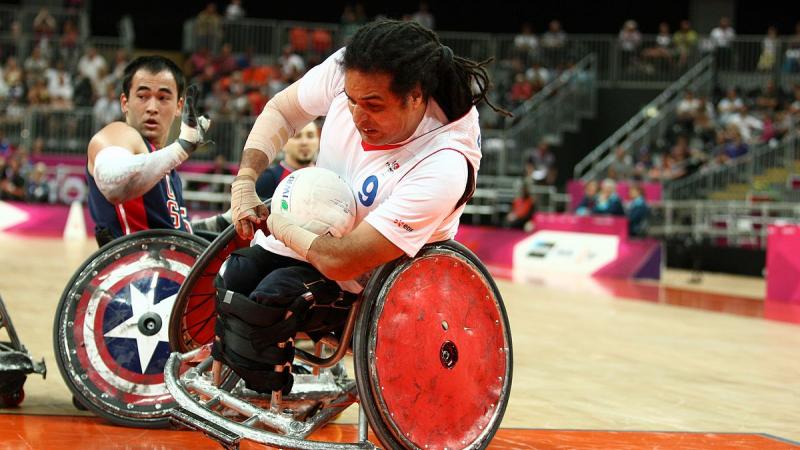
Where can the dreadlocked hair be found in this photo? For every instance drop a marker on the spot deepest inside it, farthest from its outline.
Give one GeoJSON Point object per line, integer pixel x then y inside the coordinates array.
{"type": "Point", "coordinates": [414, 56]}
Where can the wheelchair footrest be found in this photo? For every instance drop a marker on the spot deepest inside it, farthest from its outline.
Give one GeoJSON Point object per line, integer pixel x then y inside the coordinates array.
{"type": "Point", "coordinates": [225, 437]}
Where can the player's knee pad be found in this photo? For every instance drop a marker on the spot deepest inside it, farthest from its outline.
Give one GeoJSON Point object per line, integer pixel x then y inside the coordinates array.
{"type": "Point", "coordinates": [254, 337]}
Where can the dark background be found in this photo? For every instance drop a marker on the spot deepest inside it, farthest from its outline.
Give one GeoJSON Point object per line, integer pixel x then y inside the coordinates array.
{"type": "Point", "coordinates": [158, 24]}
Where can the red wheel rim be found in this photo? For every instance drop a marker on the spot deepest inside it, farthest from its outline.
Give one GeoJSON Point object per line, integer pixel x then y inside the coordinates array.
{"type": "Point", "coordinates": [446, 312]}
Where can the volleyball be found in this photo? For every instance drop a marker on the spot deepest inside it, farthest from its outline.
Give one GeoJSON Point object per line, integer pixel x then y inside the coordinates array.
{"type": "Point", "coordinates": [317, 200]}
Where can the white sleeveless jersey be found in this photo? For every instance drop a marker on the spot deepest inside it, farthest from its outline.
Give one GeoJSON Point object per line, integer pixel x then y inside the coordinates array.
{"type": "Point", "coordinates": [407, 191]}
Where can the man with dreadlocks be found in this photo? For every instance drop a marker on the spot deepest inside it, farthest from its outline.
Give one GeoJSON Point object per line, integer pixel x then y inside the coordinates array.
{"type": "Point", "coordinates": [402, 129]}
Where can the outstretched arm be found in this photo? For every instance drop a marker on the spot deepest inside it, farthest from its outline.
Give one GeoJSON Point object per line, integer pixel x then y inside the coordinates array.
{"type": "Point", "coordinates": [281, 118]}
{"type": "Point", "coordinates": [123, 168]}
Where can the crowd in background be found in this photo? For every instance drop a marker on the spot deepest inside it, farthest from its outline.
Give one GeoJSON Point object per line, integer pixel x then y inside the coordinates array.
{"type": "Point", "coordinates": [707, 134]}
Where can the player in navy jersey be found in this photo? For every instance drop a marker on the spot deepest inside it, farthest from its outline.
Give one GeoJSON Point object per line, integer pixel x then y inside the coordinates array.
{"type": "Point", "coordinates": [133, 185]}
{"type": "Point", "coordinates": [298, 152]}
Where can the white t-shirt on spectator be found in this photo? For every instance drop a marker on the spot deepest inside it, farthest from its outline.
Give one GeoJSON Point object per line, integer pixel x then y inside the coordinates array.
{"type": "Point", "coordinates": [90, 67]}
{"type": "Point", "coordinates": [747, 125]}
{"type": "Point", "coordinates": [407, 191]}
{"type": "Point", "coordinates": [722, 38]}
{"type": "Point", "coordinates": [59, 83]}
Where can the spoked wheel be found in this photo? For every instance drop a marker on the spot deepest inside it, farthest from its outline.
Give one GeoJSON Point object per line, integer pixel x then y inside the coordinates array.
{"type": "Point", "coordinates": [110, 331]}
{"type": "Point", "coordinates": [192, 320]}
{"type": "Point", "coordinates": [452, 390]}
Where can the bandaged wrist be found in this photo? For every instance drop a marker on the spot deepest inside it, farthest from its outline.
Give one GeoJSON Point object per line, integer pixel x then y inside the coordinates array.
{"type": "Point", "coordinates": [244, 198]}
{"type": "Point", "coordinates": [121, 175]}
{"type": "Point", "coordinates": [293, 236]}
{"type": "Point", "coordinates": [247, 172]}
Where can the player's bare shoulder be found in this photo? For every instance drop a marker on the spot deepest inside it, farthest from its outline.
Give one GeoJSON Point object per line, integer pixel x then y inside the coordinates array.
{"type": "Point", "coordinates": [116, 134]}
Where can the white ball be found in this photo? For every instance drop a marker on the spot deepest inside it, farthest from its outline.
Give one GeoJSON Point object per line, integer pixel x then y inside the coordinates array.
{"type": "Point", "coordinates": [316, 199]}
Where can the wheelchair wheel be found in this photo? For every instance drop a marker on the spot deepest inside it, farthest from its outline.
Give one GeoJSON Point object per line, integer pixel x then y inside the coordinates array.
{"type": "Point", "coordinates": [192, 321]}
{"type": "Point", "coordinates": [432, 351]}
{"type": "Point", "coordinates": [110, 331]}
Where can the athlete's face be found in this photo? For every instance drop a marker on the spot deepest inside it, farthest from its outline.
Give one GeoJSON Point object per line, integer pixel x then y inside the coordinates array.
{"type": "Point", "coordinates": [381, 116]}
{"type": "Point", "coordinates": [301, 149]}
{"type": "Point", "coordinates": [152, 105]}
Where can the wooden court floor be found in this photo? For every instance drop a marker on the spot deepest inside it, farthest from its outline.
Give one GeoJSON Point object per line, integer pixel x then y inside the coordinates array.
{"type": "Point", "coordinates": [593, 368]}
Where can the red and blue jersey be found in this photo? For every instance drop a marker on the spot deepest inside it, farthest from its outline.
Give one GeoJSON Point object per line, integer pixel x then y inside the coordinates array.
{"type": "Point", "coordinates": [269, 179]}
{"type": "Point", "coordinates": [160, 207]}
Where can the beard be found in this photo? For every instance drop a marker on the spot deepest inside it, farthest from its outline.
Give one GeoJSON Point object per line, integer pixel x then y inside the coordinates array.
{"type": "Point", "coordinates": [304, 160]}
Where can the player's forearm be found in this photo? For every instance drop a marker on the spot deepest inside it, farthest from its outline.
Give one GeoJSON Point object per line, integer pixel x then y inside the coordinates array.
{"type": "Point", "coordinates": [338, 260]}
{"type": "Point", "coordinates": [254, 160]}
{"type": "Point", "coordinates": [122, 176]}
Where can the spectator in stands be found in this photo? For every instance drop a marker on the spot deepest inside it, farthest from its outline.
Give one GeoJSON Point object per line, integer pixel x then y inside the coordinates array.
{"type": "Point", "coordinates": [522, 208]}
{"type": "Point", "coordinates": [722, 39]}
{"type": "Point", "coordinates": [659, 57]}
{"type": "Point", "coordinates": [769, 50]}
{"type": "Point", "coordinates": [38, 95]}
{"type": "Point", "coordinates": [526, 44]}
{"type": "Point", "coordinates": [521, 90]}
{"type": "Point", "coordinates": [68, 44]}
{"type": "Point", "coordinates": [93, 66]}
{"type": "Point", "coordinates": [118, 67]}
{"type": "Point", "coordinates": [733, 146]}
{"type": "Point", "coordinates": [638, 212]}
{"type": "Point", "coordinates": [44, 24]}
{"type": "Point", "coordinates": [348, 23]}
{"type": "Point", "coordinates": [59, 83]}
{"type": "Point", "coordinates": [9, 46]}
{"type": "Point", "coordinates": [538, 75]}
{"type": "Point", "coordinates": [770, 98]}
{"type": "Point", "coordinates": [37, 188]}
{"type": "Point", "coordinates": [608, 202]}
{"type": "Point", "coordinates": [106, 108]}
{"type": "Point", "coordinates": [6, 148]}
{"type": "Point", "coordinates": [543, 163]}
{"type": "Point", "coordinates": [198, 61]}
{"type": "Point", "coordinates": [589, 199]}
{"type": "Point", "coordinates": [234, 10]}
{"type": "Point", "coordinates": [554, 41]}
{"type": "Point", "coordinates": [35, 65]}
{"type": "Point", "coordinates": [621, 168]}
{"type": "Point", "coordinates": [748, 126]}
{"type": "Point", "coordinates": [225, 62]}
{"type": "Point", "coordinates": [292, 65]}
{"type": "Point", "coordinates": [704, 130]}
{"type": "Point", "coordinates": [218, 104]}
{"type": "Point", "coordinates": [14, 78]}
{"type": "Point", "coordinates": [13, 186]}
{"type": "Point", "coordinates": [685, 40]}
{"type": "Point", "coordinates": [687, 110]}
{"type": "Point", "coordinates": [208, 28]}
{"type": "Point", "coordinates": [729, 105]}
{"type": "Point", "coordinates": [629, 40]}
{"type": "Point", "coordinates": [791, 63]}
{"type": "Point", "coordinates": [424, 17]}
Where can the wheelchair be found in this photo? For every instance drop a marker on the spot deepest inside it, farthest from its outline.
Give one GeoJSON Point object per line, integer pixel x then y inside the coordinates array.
{"type": "Point", "coordinates": [429, 336]}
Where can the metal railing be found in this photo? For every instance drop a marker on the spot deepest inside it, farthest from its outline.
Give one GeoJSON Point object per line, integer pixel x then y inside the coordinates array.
{"type": "Point", "coordinates": [741, 171]}
{"type": "Point", "coordinates": [649, 124]}
{"type": "Point", "coordinates": [736, 223]}
{"type": "Point", "coordinates": [556, 108]}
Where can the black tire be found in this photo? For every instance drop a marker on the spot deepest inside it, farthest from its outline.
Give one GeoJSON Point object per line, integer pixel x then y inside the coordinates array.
{"type": "Point", "coordinates": [171, 252]}
{"type": "Point", "coordinates": [371, 388]}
